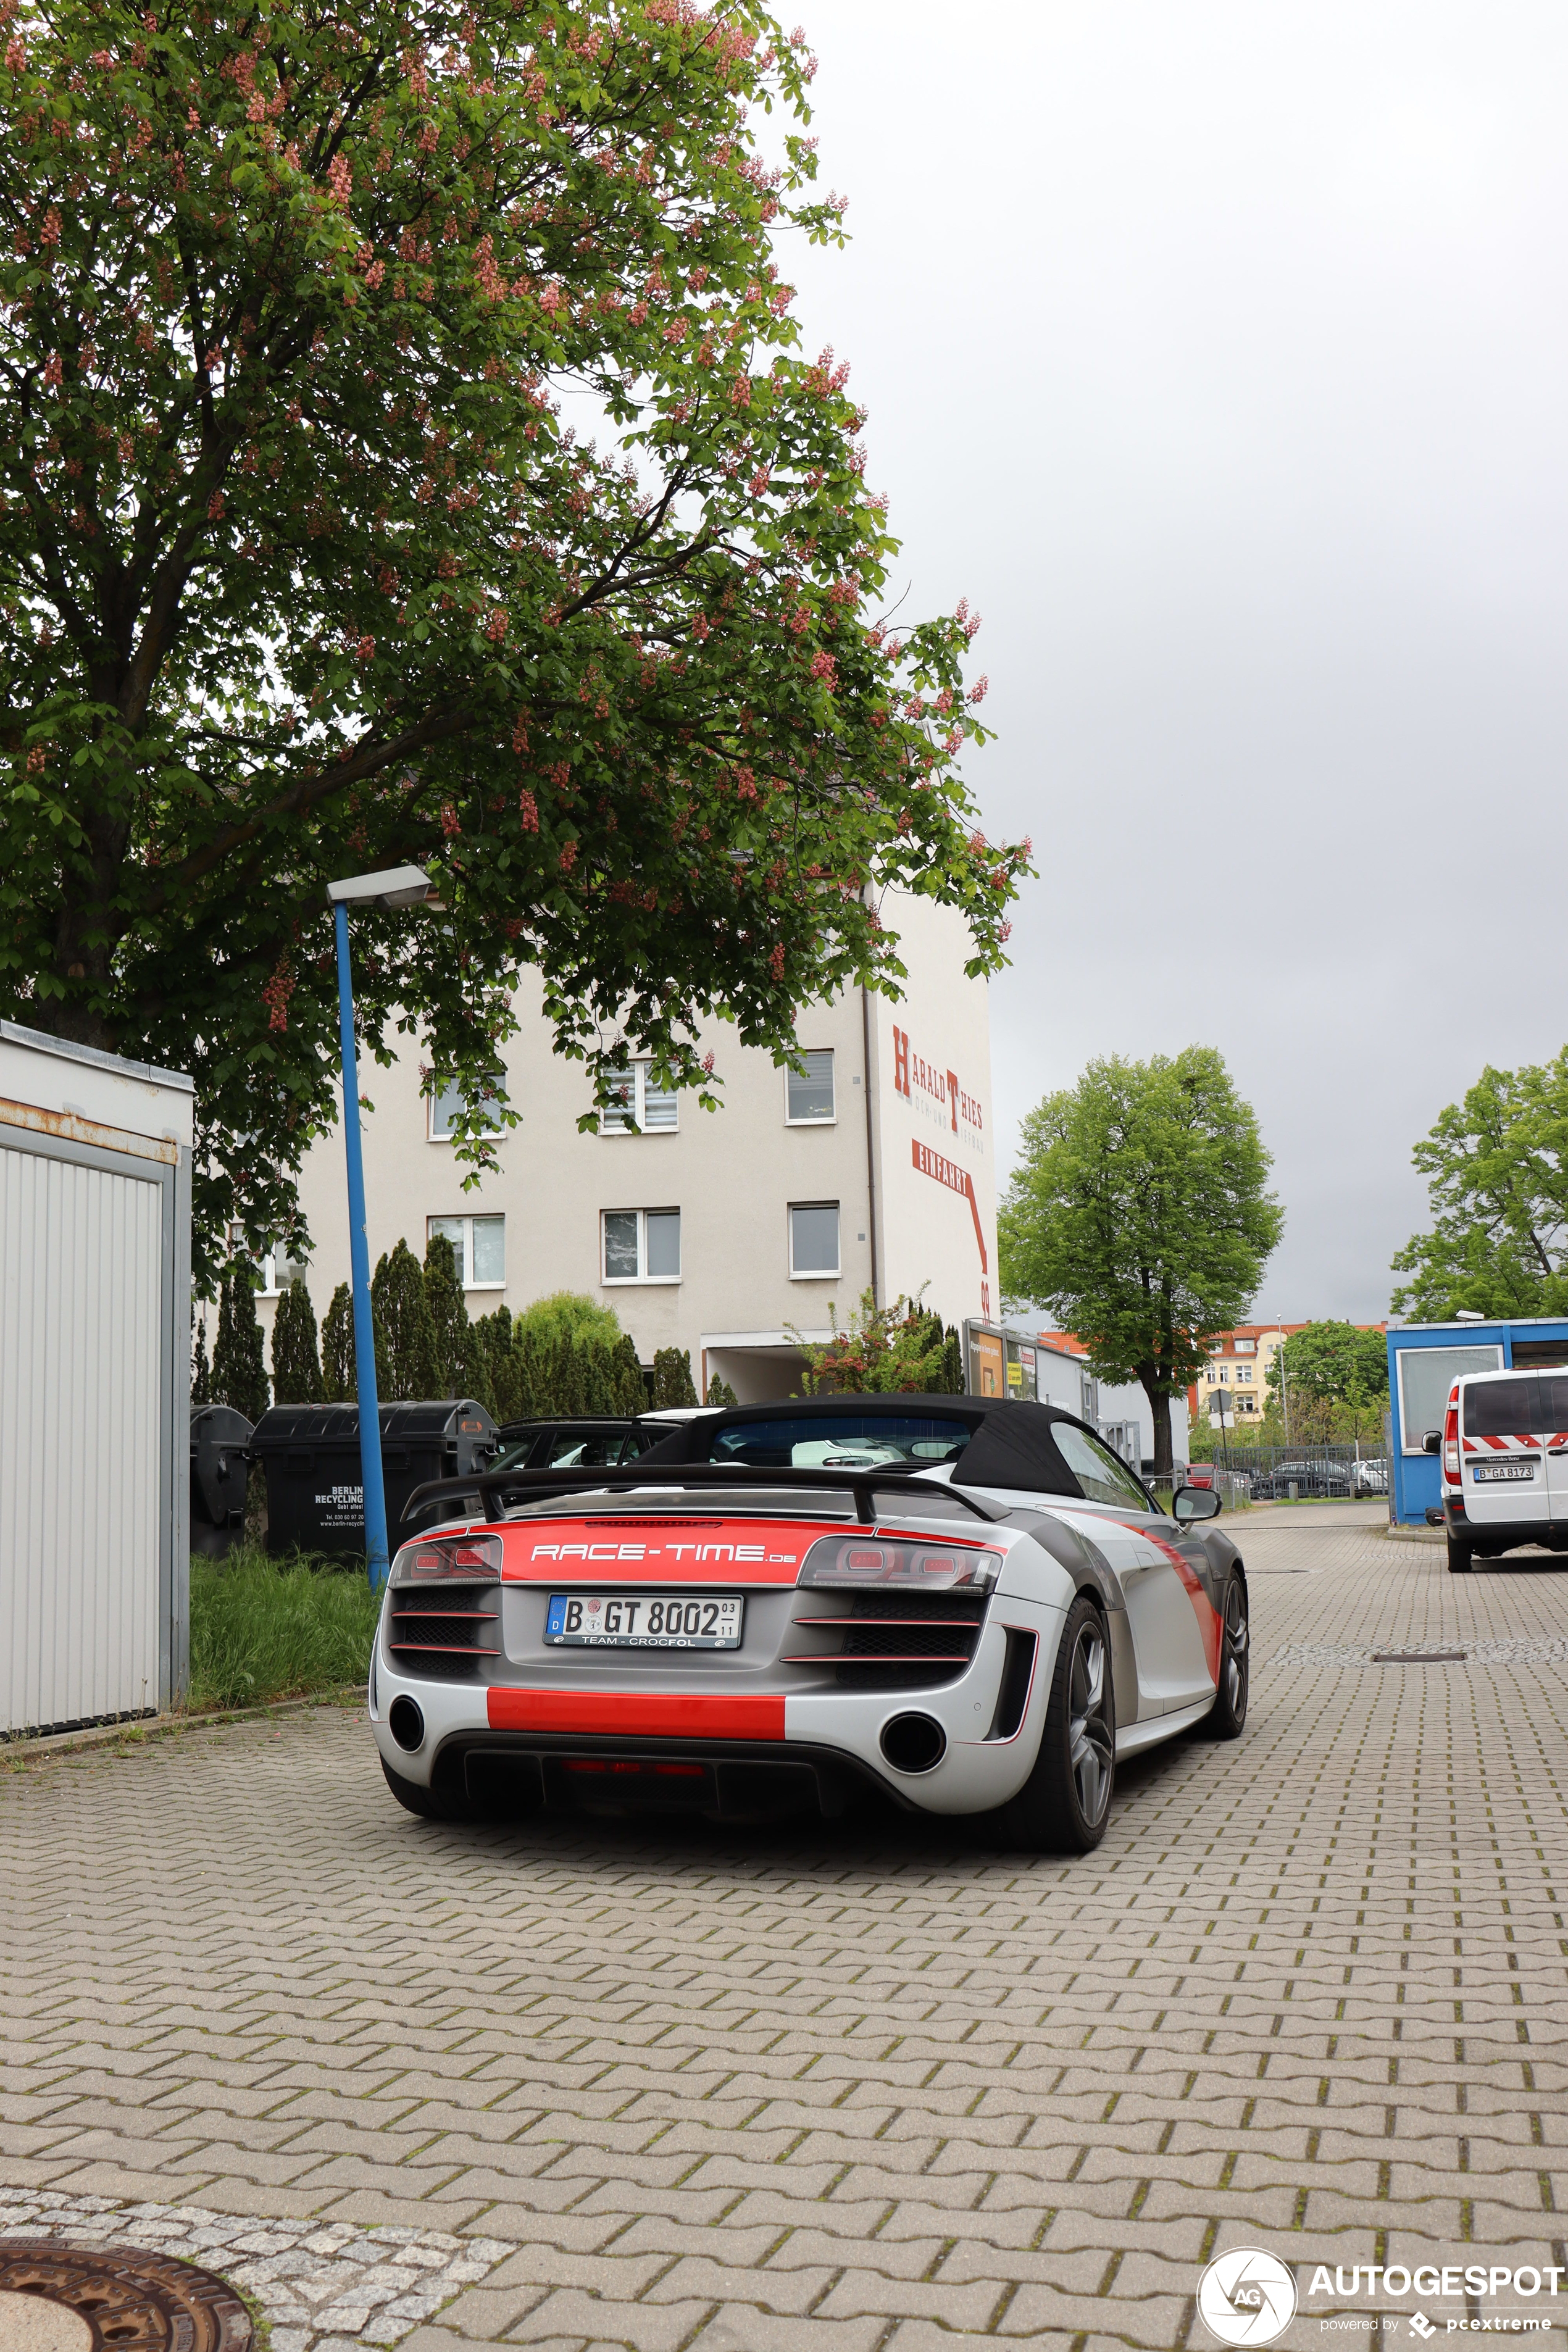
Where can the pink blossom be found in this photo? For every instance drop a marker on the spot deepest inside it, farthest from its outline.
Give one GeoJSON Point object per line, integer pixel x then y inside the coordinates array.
{"type": "Point", "coordinates": [823, 667]}
{"type": "Point", "coordinates": [977, 692]}
{"type": "Point", "coordinates": [497, 625]}
{"type": "Point", "coordinates": [529, 808]}
{"type": "Point", "coordinates": [451, 821]}
{"type": "Point", "coordinates": [776, 962]}
{"type": "Point", "coordinates": [53, 372]}
{"type": "Point", "coordinates": [341, 174]}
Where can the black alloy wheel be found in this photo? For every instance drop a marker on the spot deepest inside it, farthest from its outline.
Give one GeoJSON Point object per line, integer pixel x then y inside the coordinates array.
{"type": "Point", "coordinates": [1227, 1719]}
{"type": "Point", "coordinates": [1064, 1805]}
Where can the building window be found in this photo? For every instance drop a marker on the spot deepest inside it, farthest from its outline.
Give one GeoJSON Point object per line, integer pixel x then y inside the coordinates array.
{"type": "Point", "coordinates": [810, 1091]}
{"type": "Point", "coordinates": [813, 1240]}
{"type": "Point", "coordinates": [1244, 1371]}
{"type": "Point", "coordinates": [1245, 1346]}
{"type": "Point", "coordinates": [480, 1246]}
{"type": "Point", "coordinates": [642, 1245]}
{"type": "Point", "coordinates": [446, 1101]}
{"type": "Point", "coordinates": [277, 1267]}
{"type": "Point", "coordinates": [637, 1106]}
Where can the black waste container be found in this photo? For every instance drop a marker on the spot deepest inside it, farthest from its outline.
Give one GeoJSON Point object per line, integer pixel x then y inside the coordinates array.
{"type": "Point", "coordinates": [315, 1499]}
{"type": "Point", "coordinates": [219, 1436]}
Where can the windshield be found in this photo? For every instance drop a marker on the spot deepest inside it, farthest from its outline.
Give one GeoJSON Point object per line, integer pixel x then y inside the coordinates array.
{"type": "Point", "coordinates": [850, 1441]}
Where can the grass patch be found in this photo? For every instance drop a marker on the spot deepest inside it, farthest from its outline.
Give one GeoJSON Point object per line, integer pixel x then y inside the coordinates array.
{"type": "Point", "coordinates": [263, 1629]}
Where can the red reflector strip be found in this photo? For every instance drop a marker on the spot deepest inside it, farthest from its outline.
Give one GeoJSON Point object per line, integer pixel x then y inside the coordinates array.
{"type": "Point", "coordinates": [636, 1715]}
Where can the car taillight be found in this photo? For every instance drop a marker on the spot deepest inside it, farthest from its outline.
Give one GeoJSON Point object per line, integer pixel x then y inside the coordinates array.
{"type": "Point", "coordinates": [928, 1567]}
{"type": "Point", "coordinates": [1451, 1445]}
{"type": "Point", "coordinates": [474, 1558]}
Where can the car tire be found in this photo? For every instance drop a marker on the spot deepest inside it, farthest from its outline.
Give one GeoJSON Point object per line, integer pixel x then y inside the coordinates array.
{"type": "Point", "coordinates": [1461, 1554]}
{"type": "Point", "coordinates": [1064, 1805]}
{"type": "Point", "coordinates": [1227, 1719]}
{"type": "Point", "coordinates": [428, 1804]}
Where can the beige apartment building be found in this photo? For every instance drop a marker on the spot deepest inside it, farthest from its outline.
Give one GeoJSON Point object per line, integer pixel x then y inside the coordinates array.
{"type": "Point", "coordinates": [1239, 1365]}
{"type": "Point", "coordinates": [871, 1168]}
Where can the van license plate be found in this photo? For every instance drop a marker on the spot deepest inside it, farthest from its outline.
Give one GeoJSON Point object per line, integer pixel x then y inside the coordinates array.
{"type": "Point", "coordinates": [658, 1620]}
{"type": "Point", "coordinates": [1493, 1470]}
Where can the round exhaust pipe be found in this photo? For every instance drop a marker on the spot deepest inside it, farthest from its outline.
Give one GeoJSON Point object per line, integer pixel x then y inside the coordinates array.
{"type": "Point", "coordinates": [407, 1724]}
{"type": "Point", "coordinates": [913, 1743]}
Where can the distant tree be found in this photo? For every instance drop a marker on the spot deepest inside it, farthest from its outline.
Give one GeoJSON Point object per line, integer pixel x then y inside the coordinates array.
{"type": "Point", "coordinates": [474, 1375]}
{"type": "Point", "coordinates": [340, 1383]}
{"type": "Point", "coordinates": [633, 1395]}
{"type": "Point", "coordinates": [1334, 1362]}
{"type": "Point", "coordinates": [719, 1393]}
{"type": "Point", "coordinates": [1140, 1216]}
{"type": "Point", "coordinates": [672, 1382]}
{"type": "Point", "coordinates": [201, 1374]}
{"type": "Point", "coordinates": [494, 1331]}
{"type": "Point", "coordinates": [239, 1356]}
{"type": "Point", "coordinates": [404, 1335]}
{"type": "Point", "coordinates": [1497, 1174]}
{"type": "Point", "coordinates": [296, 1365]}
{"type": "Point", "coordinates": [448, 1318]}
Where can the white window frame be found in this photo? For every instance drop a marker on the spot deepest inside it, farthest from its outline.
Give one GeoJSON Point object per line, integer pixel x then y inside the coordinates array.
{"type": "Point", "coordinates": [832, 1118]}
{"type": "Point", "coordinates": [815, 1274]}
{"type": "Point", "coordinates": [634, 1120]}
{"type": "Point", "coordinates": [268, 1261]}
{"type": "Point", "coordinates": [434, 1134]}
{"type": "Point", "coordinates": [642, 1279]}
{"type": "Point", "coordinates": [466, 1256]}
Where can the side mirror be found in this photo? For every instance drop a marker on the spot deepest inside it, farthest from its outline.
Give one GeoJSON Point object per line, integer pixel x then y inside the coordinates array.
{"type": "Point", "coordinates": [1433, 1441]}
{"type": "Point", "coordinates": [1196, 1502]}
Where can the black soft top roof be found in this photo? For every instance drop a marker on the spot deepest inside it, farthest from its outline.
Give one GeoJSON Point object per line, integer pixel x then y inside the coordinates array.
{"type": "Point", "coordinates": [1010, 1442]}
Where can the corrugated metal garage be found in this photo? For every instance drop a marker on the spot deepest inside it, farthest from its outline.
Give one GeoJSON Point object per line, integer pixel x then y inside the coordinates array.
{"type": "Point", "coordinates": [95, 1190]}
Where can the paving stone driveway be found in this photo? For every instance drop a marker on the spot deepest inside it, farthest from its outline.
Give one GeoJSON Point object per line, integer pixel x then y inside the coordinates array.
{"type": "Point", "coordinates": [864, 2088]}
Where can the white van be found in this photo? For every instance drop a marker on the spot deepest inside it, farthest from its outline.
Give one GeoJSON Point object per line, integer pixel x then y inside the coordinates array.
{"type": "Point", "coordinates": [1504, 1448]}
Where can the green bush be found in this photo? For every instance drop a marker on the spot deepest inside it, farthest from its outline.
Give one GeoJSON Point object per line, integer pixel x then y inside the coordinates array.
{"type": "Point", "coordinates": [261, 1631]}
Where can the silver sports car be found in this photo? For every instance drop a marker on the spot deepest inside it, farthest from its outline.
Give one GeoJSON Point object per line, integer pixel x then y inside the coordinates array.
{"type": "Point", "coordinates": [970, 1607]}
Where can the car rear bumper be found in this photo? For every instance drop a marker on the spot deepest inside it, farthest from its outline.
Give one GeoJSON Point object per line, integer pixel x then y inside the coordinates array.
{"type": "Point", "coordinates": [814, 1744]}
{"type": "Point", "coordinates": [1503, 1535]}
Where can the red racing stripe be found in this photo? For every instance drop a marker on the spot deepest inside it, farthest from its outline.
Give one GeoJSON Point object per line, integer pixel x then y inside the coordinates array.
{"type": "Point", "coordinates": [636, 1715]}
{"type": "Point", "coordinates": [1209, 1626]}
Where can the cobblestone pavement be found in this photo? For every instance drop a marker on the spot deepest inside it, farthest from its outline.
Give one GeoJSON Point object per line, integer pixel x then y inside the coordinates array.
{"type": "Point", "coordinates": [865, 2087]}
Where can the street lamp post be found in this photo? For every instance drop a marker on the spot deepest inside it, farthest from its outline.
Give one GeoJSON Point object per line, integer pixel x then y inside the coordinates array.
{"type": "Point", "coordinates": [400, 886]}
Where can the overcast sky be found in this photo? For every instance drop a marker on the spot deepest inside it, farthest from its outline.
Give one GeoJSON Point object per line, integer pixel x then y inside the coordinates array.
{"type": "Point", "coordinates": [1219, 355]}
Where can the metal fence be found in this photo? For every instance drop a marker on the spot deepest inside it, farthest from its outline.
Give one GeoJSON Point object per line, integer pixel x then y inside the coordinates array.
{"type": "Point", "coordinates": [1304, 1472]}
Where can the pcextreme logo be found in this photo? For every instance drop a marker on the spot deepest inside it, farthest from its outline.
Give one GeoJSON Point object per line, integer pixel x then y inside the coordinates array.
{"type": "Point", "coordinates": [1247, 2296]}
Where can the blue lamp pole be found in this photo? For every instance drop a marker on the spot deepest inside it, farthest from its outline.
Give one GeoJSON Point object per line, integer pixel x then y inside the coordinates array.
{"type": "Point", "coordinates": [402, 886]}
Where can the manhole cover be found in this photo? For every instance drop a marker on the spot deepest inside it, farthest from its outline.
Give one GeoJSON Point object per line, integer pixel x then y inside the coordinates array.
{"type": "Point", "coordinates": [56, 2298]}
{"type": "Point", "coordinates": [1418, 1657]}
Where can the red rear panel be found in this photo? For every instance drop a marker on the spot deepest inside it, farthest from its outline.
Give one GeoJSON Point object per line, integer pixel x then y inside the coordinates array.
{"type": "Point", "coordinates": [636, 1715]}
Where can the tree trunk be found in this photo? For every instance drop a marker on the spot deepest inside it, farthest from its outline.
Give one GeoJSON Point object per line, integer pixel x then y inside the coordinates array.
{"type": "Point", "coordinates": [1159, 1406]}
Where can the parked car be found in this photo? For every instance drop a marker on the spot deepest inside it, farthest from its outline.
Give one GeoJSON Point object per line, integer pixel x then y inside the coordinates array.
{"type": "Point", "coordinates": [587, 1440]}
{"type": "Point", "coordinates": [1316, 1481]}
{"type": "Point", "coordinates": [1200, 1474]}
{"type": "Point", "coordinates": [1370, 1477]}
{"type": "Point", "coordinates": [972, 1607]}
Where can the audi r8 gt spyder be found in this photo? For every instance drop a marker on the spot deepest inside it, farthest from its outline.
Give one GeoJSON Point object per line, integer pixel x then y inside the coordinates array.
{"type": "Point", "coordinates": [970, 1607]}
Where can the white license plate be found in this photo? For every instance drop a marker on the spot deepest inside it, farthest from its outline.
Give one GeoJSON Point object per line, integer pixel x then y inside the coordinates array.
{"type": "Point", "coordinates": [646, 1621]}
{"type": "Point", "coordinates": [1492, 1470]}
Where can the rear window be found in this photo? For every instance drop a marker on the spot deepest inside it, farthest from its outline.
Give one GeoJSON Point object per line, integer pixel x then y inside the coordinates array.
{"type": "Point", "coordinates": [1528, 1406]}
{"type": "Point", "coordinates": [850, 1441]}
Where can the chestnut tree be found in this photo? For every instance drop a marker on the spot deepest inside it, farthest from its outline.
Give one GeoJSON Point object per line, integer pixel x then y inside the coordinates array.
{"type": "Point", "coordinates": [408, 454]}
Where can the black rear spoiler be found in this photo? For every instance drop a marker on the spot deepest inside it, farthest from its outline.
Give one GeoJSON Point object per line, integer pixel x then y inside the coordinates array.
{"type": "Point", "coordinates": [492, 1487]}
